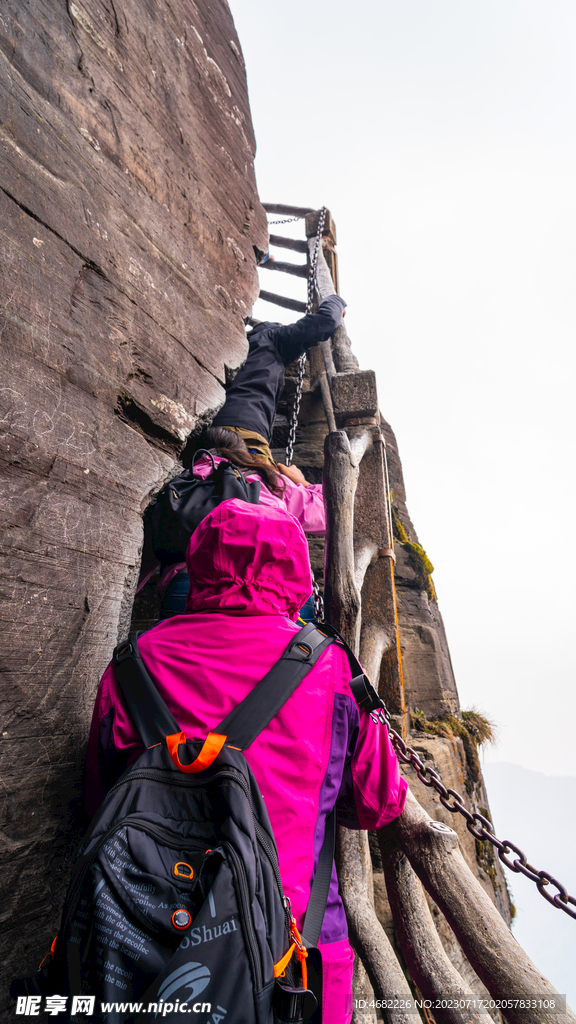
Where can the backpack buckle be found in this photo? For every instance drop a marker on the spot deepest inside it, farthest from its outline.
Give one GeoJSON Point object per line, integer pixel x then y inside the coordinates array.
{"type": "Point", "coordinates": [300, 651]}
{"type": "Point", "coordinates": [122, 652]}
{"type": "Point", "coordinates": [292, 1005]}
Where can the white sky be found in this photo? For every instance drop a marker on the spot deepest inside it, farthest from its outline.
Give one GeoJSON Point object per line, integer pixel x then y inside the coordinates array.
{"type": "Point", "coordinates": [441, 135]}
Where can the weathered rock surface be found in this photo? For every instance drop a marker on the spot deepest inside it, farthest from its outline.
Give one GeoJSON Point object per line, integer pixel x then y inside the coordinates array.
{"type": "Point", "coordinates": [128, 221]}
{"type": "Point", "coordinates": [429, 682]}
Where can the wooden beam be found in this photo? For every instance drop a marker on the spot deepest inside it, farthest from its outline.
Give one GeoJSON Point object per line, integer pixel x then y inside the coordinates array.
{"type": "Point", "coordinates": [296, 244]}
{"type": "Point", "coordinates": [341, 596]}
{"type": "Point", "coordinates": [344, 360]}
{"type": "Point", "coordinates": [366, 932]}
{"type": "Point", "coordinates": [288, 211]}
{"type": "Point", "coordinates": [281, 300]}
{"type": "Point", "coordinates": [418, 938]}
{"type": "Point", "coordinates": [499, 961]}
{"type": "Point", "coordinates": [296, 269]}
{"type": "Point", "coordinates": [379, 637]}
{"type": "Point", "coordinates": [331, 258]}
{"type": "Point", "coordinates": [329, 229]}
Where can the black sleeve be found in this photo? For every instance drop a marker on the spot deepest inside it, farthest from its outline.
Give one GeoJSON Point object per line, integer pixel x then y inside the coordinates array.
{"type": "Point", "coordinates": [295, 339]}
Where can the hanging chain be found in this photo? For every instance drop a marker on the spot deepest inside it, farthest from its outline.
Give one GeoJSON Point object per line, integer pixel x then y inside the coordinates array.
{"type": "Point", "coordinates": [483, 832]}
{"type": "Point", "coordinates": [318, 601]}
{"type": "Point", "coordinates": [287, 220]}
{"type": "Point", "coordinates": [302, 360]}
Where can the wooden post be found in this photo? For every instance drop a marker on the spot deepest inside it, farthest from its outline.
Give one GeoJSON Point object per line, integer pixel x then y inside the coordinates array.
{"type": "Point", "coordinates": [341, 596]}
{"type": "Point", "coordinates": [327, 284]}
{"type": "Point", "coordinates": [368, 936]}
{"type": "Point", "coordinates": [380, 639]}
{"type": "Point", "coordinates": [418, 938]}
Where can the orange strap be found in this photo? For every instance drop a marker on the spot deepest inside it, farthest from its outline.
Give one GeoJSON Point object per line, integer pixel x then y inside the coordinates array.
{"type": "Point", "coordinates": [301, 953]}
{"type": "Point", "coordinates": [282, 964]}
{"type": "Point", "coordinates": [212, 746]}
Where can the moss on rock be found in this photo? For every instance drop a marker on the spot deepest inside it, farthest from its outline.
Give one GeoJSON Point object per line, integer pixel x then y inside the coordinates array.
{"type": "Point", "coordinates": [417, 557]}
{"type": "Point", "coordinates": [473, 729]}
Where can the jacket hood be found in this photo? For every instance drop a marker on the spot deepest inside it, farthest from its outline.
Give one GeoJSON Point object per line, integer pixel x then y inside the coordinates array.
{"type": "Point", "coordinates": [248, 560]}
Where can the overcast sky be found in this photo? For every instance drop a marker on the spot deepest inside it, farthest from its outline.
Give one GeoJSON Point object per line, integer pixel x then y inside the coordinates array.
{"type": "Point", "coordinates": [441, 135]}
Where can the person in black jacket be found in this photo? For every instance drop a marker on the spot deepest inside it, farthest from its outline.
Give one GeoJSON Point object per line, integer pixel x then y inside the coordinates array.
{"type": "Point", "coordinates": [242, 430]}
{"type": "Point", "coordinates": [252, 397]}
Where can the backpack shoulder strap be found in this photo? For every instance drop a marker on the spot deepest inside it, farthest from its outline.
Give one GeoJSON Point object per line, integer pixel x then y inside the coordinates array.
{"type": "Point", "coordinates": [259, 707]}
{"type": "Point", "coordinates": [152, 718]}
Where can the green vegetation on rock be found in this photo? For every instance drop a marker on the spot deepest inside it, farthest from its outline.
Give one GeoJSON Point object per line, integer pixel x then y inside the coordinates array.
{"type": "Point", "coordinates": [474, 729]}
{"type": "Point", "coordinates": [417, 557]}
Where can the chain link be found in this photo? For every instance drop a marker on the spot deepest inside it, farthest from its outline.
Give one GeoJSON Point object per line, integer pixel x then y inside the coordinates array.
{"type": "Point", "coordinates": [287, 220]}
{"type": "Point", "coordinates": [295, 410]}
{"type": "Point", "coordinates": [483, 832]}
{"type": "Point", "coordinates": [318, 601]}
{"type": "Point", "coordinates": [302, 360]}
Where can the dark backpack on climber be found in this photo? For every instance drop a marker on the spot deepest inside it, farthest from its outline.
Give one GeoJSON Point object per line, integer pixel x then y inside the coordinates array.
{"type": "Point", "coordinates": [176, 898]}
{"type": "Point", "coordinates": [187, 500]}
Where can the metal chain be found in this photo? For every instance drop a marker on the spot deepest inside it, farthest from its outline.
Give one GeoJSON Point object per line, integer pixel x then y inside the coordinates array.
{"type": "Point", "coordinates": [318, 601]}
{"type": "Point", "coordinates": [287, 220]}
{"type": "Point", "coordinates": [302, 360]}
{"type": "Point", "coordinates": [483, 832]}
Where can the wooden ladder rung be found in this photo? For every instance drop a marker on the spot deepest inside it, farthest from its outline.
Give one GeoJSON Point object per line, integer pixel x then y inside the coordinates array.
{"type": "Point", "coordinates": [289, 211]}
{"type": "Point", "coordinates": [297, 270]}
{"type": "Point", "coordinates": [296, 244]}
{"type": "Point", "coordinates": [281, 300]}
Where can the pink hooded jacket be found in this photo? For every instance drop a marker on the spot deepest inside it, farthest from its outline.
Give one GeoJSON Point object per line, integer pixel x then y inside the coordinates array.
{"type": "Point", "coordinates": [249, 573]}
{"type": "Point", "coordinates": [304, 502]}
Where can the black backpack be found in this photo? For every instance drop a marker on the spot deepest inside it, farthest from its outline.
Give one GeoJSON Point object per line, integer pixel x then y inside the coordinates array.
{"type": "Point", "coordinates": [187, 500]}
{"type": "Point", "coordinates": [175, 905]}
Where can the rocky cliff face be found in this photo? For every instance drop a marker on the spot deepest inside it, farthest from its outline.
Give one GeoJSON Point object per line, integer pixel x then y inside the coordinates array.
{"type": "Point", "coordinates": [128, 222]}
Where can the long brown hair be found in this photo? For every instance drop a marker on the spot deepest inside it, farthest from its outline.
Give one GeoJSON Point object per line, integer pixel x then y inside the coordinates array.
{"type": "Point", "coordinates": [232, 447]}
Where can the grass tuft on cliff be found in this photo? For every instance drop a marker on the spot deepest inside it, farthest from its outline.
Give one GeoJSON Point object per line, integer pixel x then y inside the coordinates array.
{"type": "Point", "coordinates": [474, 729]}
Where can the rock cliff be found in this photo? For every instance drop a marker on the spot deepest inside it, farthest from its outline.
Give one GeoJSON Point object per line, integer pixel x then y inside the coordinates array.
{"type": "Point", "coordinates": [128, 222]}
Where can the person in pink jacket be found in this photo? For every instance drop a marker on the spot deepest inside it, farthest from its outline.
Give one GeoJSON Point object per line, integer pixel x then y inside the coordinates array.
{"type": "Point", "coordinates": [249, 575]}
{"type": "Point", "coordinates": [280, 487]}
